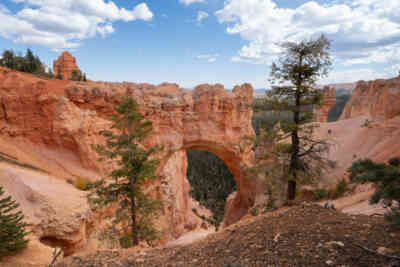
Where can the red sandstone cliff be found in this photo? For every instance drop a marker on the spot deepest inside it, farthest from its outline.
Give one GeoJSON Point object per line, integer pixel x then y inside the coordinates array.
{"type": "Point", "coordinates": [52, 123]}
{"type": "Point", "coordinates": [65, 66]}
{"type": "Point", "coordinates": [329, 99]}
{"type": "Point", "coordinates": [379, 99]}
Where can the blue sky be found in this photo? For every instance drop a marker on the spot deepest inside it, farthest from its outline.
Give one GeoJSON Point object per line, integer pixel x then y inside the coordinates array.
{"type": "Point", "coordinates": [203, 41]}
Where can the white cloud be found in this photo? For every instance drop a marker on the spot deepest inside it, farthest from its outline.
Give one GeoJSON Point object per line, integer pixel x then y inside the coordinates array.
{"type": "Point", "coordinates": [354, 75]}
{"type": "Point", "coordinates": [362, 31]}
{"type": "Point", "coordinates": [200, 16]}
{"type": "Point", "coordinates": [208, 57]}
{"type": "Point", "coordinates": [189, 2]}
{"type": "Point", "coordinates": [205, 56]}
{"type": "Point", "coordinates": [393, 70]}
{"type": "Point", "coordinates": [65, 23]}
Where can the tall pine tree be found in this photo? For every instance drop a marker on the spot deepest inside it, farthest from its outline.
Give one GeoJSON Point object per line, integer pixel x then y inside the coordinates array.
{"type": "Point", "coordinates": [294, 90]}
{"type": "Point", "coordinates": [136, 166]}
{"type": "Point", "coordinates": [12, 228]}
{"type": "Point", "coordinates": [30, 62]}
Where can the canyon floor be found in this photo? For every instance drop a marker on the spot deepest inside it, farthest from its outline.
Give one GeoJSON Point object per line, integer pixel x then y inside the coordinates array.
{"type": "Point", "coordinates": [302, 235]}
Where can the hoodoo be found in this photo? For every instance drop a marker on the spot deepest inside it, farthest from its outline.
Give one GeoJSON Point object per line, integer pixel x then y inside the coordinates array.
{"type": "Point", "coordinates": [66, 67]}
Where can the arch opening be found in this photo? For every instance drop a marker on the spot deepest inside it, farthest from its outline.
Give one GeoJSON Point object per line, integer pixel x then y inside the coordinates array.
{"type": "Point", "coordinates": [211, 183]}
{"type": "Point", "coordinates": [179, 205]}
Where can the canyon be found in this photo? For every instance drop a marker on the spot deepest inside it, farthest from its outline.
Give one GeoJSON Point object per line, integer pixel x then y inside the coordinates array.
{"type": "Point", "coordinates": [48, 127]}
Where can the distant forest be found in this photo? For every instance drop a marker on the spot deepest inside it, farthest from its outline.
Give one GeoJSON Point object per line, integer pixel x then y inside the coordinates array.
{"type": "Point", "coordinates": [29, 63]}
{"type": "Point", "coordinates": [336, 111]}
{"type": "Point", "coordinates": [211, 182]}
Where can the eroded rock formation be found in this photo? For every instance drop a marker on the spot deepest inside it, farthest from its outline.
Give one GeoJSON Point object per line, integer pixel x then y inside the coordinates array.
{"type": "Point", "coordinates": [68, 116]}
{"type": "Point", "coordinates": [54, 220]}
{"type": "Point", "coordinates": [329, 100]}
{"type": "Point", "coordinates": [66, 66]}
{"type": "Point", "coordinates": [379, 99]}
{"type": "Point", "coordinates": [207, 118]}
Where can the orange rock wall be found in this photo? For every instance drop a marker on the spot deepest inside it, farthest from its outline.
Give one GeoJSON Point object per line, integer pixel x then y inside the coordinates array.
{"type": "Point", "coordinates": [329, 100]}
{"type": "Point", "coordinates": [379, 99]}
{"type": "Point", "coordinates": [69, 115]}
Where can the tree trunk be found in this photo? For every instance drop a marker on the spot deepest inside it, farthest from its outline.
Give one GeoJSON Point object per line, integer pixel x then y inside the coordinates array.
{"type": "Point", "coordinates": [291, 190]}
{"type": "Point", "coordinates": [135, 239]}
{"type": "Point", "coordinates": [294, 159]}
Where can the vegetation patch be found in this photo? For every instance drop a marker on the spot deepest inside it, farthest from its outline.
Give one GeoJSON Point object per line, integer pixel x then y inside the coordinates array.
{"type": "Point", "coordinates": [386, 178]}
{"type": "Point", "coordinates": [320, 194]}
{"type": "Point", "coordinates": [12, 227]}
{"type": "Point", "coordinates": [29, 63]}
{"type": "Point", "coordinates": [211, 183]}
{"type": "Point", "coordinates": [81, 183]}
{"type": "Point", "coordinates": [336, 111]}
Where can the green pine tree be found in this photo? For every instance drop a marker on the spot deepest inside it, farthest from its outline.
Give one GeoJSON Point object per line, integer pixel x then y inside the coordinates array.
{"type": "Point", "coordinates": [30, 62]}
{"type": "Point", "coordinates": [8, 59]}
{"type": "Point", "coordinates": [294, 78]}
{"type": "Point", "coordinates": [59, 75]}
{"type": "Point", "coordinates": [136, 166]}
{"type": "Point", "coordinates": [75, 76]}
{"type": "Point", "coordinates": [12, 228]}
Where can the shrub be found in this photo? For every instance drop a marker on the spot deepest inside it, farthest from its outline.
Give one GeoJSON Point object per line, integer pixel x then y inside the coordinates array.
{"type": "Point", "coordinates": [340, 189]}
{"type": "Point", "coordinates": [12, 228]}
{"type": "Point", "coordinates": [125, 241]}
{"type": "Point", "coordinates": [109, 236]}
{"type": "Point", "coordinates": [320, 194]}
{"type": "Point", "coordinates": [395, 161]}
{"type": "Point", "coordinates": [387, 181]}
{"type": "Point", "coordinates": [271, 205]}
{"type": "Point", "coordinates": [254, 211]}
{"type": "Point", "coordinates": [81, 183]}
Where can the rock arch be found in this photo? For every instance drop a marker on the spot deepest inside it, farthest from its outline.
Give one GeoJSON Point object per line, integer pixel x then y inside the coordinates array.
{"type": "Point", "coordinates": [68, 116]}
{"type": "Point", "coordinates": [216, 121]}
{"type": "Point", "coordinates": [238, 203]}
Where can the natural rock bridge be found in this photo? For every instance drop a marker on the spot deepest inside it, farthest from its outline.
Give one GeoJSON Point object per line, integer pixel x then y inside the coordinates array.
{"type": "Point", "coordinates": [64, 115]}
{"type": "Point", "coordinates": [207, 118]}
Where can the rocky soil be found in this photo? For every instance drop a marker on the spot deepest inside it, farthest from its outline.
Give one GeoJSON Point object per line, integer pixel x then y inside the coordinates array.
{"type": "Point", "coordinates": [304, 235]}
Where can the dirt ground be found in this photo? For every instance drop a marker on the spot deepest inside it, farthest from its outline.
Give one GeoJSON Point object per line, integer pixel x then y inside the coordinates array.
{"type": "Point", "coordinates": [303, 235]}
